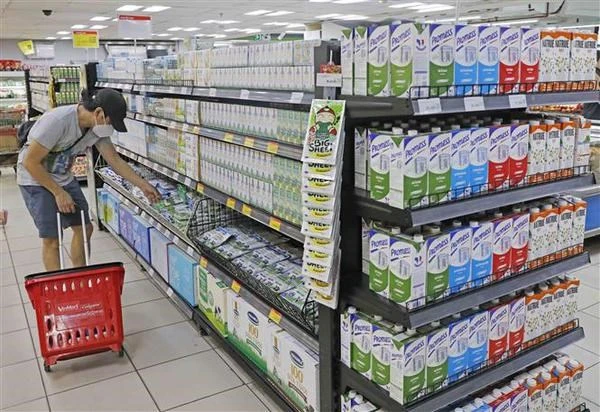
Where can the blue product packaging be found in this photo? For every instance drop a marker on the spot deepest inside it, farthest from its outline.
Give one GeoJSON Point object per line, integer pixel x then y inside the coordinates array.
{"type": "Point", "coordinates": [478, 159]}
{"type": "Point", "coordinates": [488, 59]}
{"type": "Point", "coordinates": [481, 252]}
{"type": "Point", "coordinates": [460, 143]}
{"type": "Point", "coordinates": [460, 257]}
{"type": "Point", "coordinates": [126, 223]}
{"type": "Point", "coordinates": [182, 270]}
{"type": "Point", "coordinates": [141, 237]}
{"type": "Point", "coordinates": [111, 212]}
{"type": "Point", "coordinates": [477, 352]}
{"type": "Point", "coordinates": [458, 344]}
{"type": "Point", "coordinates": [159, 253]}
{"type": "Point", "coordinates": [465, 59]}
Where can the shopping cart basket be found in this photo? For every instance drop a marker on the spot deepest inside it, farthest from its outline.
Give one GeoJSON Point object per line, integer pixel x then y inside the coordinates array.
{"type": "Point", "coordinates": [78, 310]}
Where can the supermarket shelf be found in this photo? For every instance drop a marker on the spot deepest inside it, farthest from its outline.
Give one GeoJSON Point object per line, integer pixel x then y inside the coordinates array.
{"type": "Point", "coordinates": [9, 74]}
{"type": "Point", "coordinates": [13, 99]}
{"type": "Point", "coordinates": [67, 80]}
{"type": "Point", "coordinates": [38, 79]}
{"type": "Point", "coordinates": [259, 215]}
{"type": "Point", "coordinates": [592, 233]}
{"type": "Point", "coordinates": [290, 151]}
{"type": "Point", "coordinates": [358, 294]}
{"type": "Point", "coordinates": [269, 96]}
{"type": "Point", "coordinates": [473, 383]}
{"type": "Point", "coordinates": [368, 107]}
{"type": "Point", "coordinates": [82, 178]}
{"type": "Point", "coordinates": [158, 88]}
{"type": "Point", "coordinates": [373, 209]}
{"type": "Point", "coordinates": [126, 87]}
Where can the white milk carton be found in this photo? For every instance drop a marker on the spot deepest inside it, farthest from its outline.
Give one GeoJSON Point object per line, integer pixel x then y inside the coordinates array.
{"type": "Point", "coordinates": [378, 76]}
{"type": "Point", "coordinates": [360, 349]}
{"type": "Point", "coordinates": [567, 146]}
{"type": "Point", "coordinates": [408, 363]}
{"type": "Point", "coordinates": [360, 158]}
{"type": "Point", "coordinates": [478, 159]}
{"type": "Point", "coordinates": [381, 350]}
{"type": "Point", "coordinates": [409, 59]}
{"type": "Point", "coordinates": [379, 261]}
{"type": "Point", "coordinates": [465, 55]}
{"type": "Point", "coordinates": [439, 163]}
{"type": "Point", "coordinates": [407, 270]}
{"type": "Point", "coordinates": [380, 147]}
{"type": "Point", "coordinates": [548, 64]}
{"type": "Point", "coordinates": [460, 257]}
{"type": "Point", "coordinates": [301, 374]}
{"type": "Point", "coordinates": [436, 375]}
{"type": "Point", "coordinates": [460, 143]}
{"type": "Point", "coordinates": [562, 48]}
{"type": "Point", "coordinates": [276, 354]}
{"type": "Point", "coordinates": [347, 61]}
{"type": "Point", "coordinates": [488, 59]}
{"type": "Point", "coordinates": [441, 59]}
{"type": "Point", "coordinates": [360, 60]}
{"type": "Point", "coordinates": [347, 319]}
{"type": "Point", "coordinates": [408, 170]}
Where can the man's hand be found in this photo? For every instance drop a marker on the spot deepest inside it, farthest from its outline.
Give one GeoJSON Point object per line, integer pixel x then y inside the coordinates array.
{"type": "Point", "coordinates": [150, 192]}
{"type": "Point", "coordinates": [64, 202]}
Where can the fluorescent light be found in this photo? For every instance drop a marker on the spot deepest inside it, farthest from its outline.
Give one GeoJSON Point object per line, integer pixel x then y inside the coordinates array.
{"type": "Point", "coordinates": [276, 23]}
{"type": "Point", "coordinates": [249, 31]}
{"type": "Point", "coordinates": [449, 19]}
{"type": "Point", "coordinates": [353, 17]}
{"type": "Point", "coordinates": [319, 1]}
{"type": "Point", "coordinates": [432, 7]}
{"type": "Point", "coordinates": [163, 34]}
{"type": "Point", "coordinates": [129, 7]}
{"type": "Point", "coordinates": [99, 18]}
{"type": "Point", "coordinates": [50, 38]}
{"type": "Point", "coordinates": [580, 26]}
{"type": "Point", "coordinates": [63, 32]}
{"type": "Point", "coordinates": [174, 29]}
{"type": "Point", "coordinates": [115, 19]}
{"type": "Point", "coordinates": [217, 36]}
{"type": "Point", "coordinates": [279, 13]}
{"type": "Point", "coordinates": [66, 38]}
{"type": "Point", "coordinates": [98, 27]}
{"type": "Point", "coordinates": [176, 38]}
{"type": "Point", "coordinates": [232, 30]}
{"type": "Point", "coordinates": [295, 25]}
{"type": "Point", "coordinates": [328, 16]}
{"type": "Point", "coordinates": [219, 21]}
{"type": "Point", "coordinates": [295, 31]}
{"type": "Point", "coordinates": [349, 1]}
{"type": "Point", "coordinates": [405, 5]}
{"type": "Point", "coordinates": [191, 29]}
{"type": "Point", "coordinates": [156, 9]}
{"type": "Point", "coordinates": [508, 23]}
{"type": "Point", "coordinates": [257, 12]}
{"type": "Point", "coordinates": [78, 26]}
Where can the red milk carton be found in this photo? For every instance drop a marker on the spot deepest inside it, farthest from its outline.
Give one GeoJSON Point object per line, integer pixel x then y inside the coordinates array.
{"type": "Point", "coordinates": [520, 239]}
{"type": "Point", "coordinates": [519, 150]}
{"type": "Point", "coordinates": [517, 312]}
{"type": "Point", "coordinates": [498, 156]}
{"type": "Point", "coordinates": [498, 330]}
{"type": "Point", "coordinates": [502, 246]}
{"type": "Point", "coordinates": [529, 69]}
{"type": "Point", "coordinates": [510, 56]}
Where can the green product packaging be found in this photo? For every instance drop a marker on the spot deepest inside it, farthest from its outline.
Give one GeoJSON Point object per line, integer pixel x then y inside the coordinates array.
{"type": "Point", "coordinates": [438, 173]}
{"type": "Point", "coordinates": [437, 355]}
{"type": "Point", "coordinates": [381, 349]}
{"type": "Point", "coordinates": [380, 145]}
{"type": "Point", "coordinates": [379, 259]}
{"type": "Point", "coordinates": [407, 370]}
{"type": "Point", "coordinates": [407, 270]}
{"type": "Point", "coordinates": [437, 246]}
{"type": "Point", "coordinates": [409, 157]}
{"type": "Point", "coordinates": [378, 74]}
{"type": "Point", "coordinates": [441, 66]}
{"type": "Point", "coordinates": [360, 348]}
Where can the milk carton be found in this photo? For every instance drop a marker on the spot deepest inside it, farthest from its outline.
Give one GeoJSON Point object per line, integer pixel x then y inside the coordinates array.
{"type": "Point", "coordinates": [460, 142]}
{"type": "Point", "coordinates": [459, 272]}
{"type": "Point", "coordinates": [559, 300]}
{"type": "Point", "coordinates": [347, 60]}
{"type": "Point", "coordinates": [408, 170]}
{"type": "Point", "coordinates": [519, 149]}
{"type": "Point", "coordinates": [477, 352]}
{"type": "Point", "coordinates": [360, 347]}
{"type": "Point", "coordinates": [365, 229]}
{"type": "Point", "coordinates": [436, 375]}
{"type": "Point", "coordinates": [379, 261]}
{"type": "Point", "coordinates": [498, 156]}
{"type": "Point", "coordinates": [380, 148]}
{"type": "Point", "coordinates": [577, 67]}
{"type": "Point", "coordinates": [441, 59]}
{"type": "Point", "coordinates": [548, 65]}
{"type": "Point", "coordinates": [520, 240]}
{"type": "Point", "coordinates": [567, 147]}
{"type": "Point", "coordinates": [360, 158]}
{"type": "Point", "coordinates": [407, 370]}
{"type": "Point", "coordinates": [482, 240]}
{"type": "Point", "coordinates": [407, 270]}
{"type": "Point", "coordinates": [517, 312]}
{"type": "Point", "coordinates": [565, 228]}
{"type": "Point", "coordinates": [378, 81]}
{"type": "Point", "coordinates": [591, 39]}
{"type": "Point", "coordinates": [576, 385]}
{"type": "Point", "coordinates": [458, 344]}
{"type": "Point", "coordinates": [549, 390]}
{"type": "Point", "coordinates": [256, 336]}
{"type": "Point", "coordinates": [546, 308]}
{"type": "Point", "coordinates": [502, 246]}
{"type": "Point", "coordinates": [437, 246]}
{"type": "Point", "coordinates": [537, 237]}
{"type": "Point", "coordinates": [300, 374]}
{"type": "Point", "coordinates": [563, 391]}
{"type": "Point", "coordinates": [275, 364]}
{"type": "Point", "coordinates": [536, 158]}
{"type": "Point", "coordinates": [478, 159]}
{"type": "Point", "coordinates": [562, 49]}
{"type": "Point", "coordinates": [498, 332]}
{"type": "Point", "coordinates": [530, 59]}
{"type": "Point", "coordinates": [572, 289]}
{"type": "Point", "coordinates": [488, 59]}
{"type": "Point", "coordinates": [582, 145]}
{"type": "Point", "coordinates": [552, 149]}
{"type": "Point", "coordinates": [361, 52]}
{"type": "Point", "coordinates": [409, 59]}
{"type": "Point", "coordinates": [465, 55]}
{"type": "Point", "coordinates": [440, 154]}
{"type": "Point", "coordinates": [381, 349]}
{"type": "Point", "coordinates": [347, 319]}
{"type": "Point", "coordinates": [532, 316]}
{"type": "Point", "coordinates": [510, 56]}
{"type": "Point", "coordinates": [551, 231]}
{"type": "Point", "coordinates": [535, 394]}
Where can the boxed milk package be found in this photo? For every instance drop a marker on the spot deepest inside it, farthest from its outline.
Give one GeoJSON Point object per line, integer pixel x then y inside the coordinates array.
{"type": "Point", "coordinates": [562, 50]}
{"type": "Point", "coordinates": [300, 373]}
{"type": "Point", "coordinates": [488, 59]}
{"type": "Point", "coordinates": [409, 59]}
{"type": "Point", "coordinates": [159, 253]}
{"type": "Point", "coordinates": [347, 60]}
{"type": "Point", "coordinates": [408, 170]}
{"type": "Point", "coordinates": [465, 55]}
{"type": "Point", "coordinates": [360, 60]}
{"type": "Point", "coordinates": [530, 59]}
{"type": "Point", "coordinates": [548, 65]}
{"type": "Point", "coordinates": [378, 75]}
{"type": "Point", "coordinates": [212, 299]}
{"type": "Point", "coordinates": [510, 56]}
{"type": "Point", "coordinates": [441, 59]}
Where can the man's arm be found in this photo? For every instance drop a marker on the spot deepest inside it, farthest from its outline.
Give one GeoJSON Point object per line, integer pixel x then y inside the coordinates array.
{"type": "Point", "coordinates": [33, 162]}
{"type": "Point", "coordinates": [108, 152]}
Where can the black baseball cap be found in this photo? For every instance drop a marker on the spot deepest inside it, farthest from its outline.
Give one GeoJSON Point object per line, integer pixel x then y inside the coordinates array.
{"type": "Point", "coordinates": [114, 106]}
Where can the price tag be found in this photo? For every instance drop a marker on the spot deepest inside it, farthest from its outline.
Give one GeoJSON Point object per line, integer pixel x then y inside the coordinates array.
{"type": "Point", "coordinates": [272, 147]}
{"type": "Point", "coordinates": [474, 104]}
{"type": "Point", "coordinates": [212, 92]}
{"type": "Point", "coordinates": [235, 286]}
{"type": "Point", "coordinates": [172, 89]}
{"type": "Point", "coordinates": [200, 188]}
{"type": "Point", "coordinates": [244, 94]}
{"type": "Point", "coordinates": [517, 100]}
{"type": "Point", "coordinates": [185, 90]}
{"type": "Point", "coordinates": [176, 240]}
{"type": "Point", "coordinates": [296, 97]}
{"type": "Point", "coordinates": [151, 88]}
{"type": "Point", "coordinates": [246, 210]}
{"type": "Point", "coordinates": [174, 124]}
{"type": "Point", "coordinates": [203, 262]}
{"type": "Point", "coordinates": [249, 142]}
{"type": "Point", "coordinates": [231, 203]}
{"type": "Point", "coordinates": [275, 316]}
{"type": "Point", "coordinates": [190, 250]}
{"type": "Point", "coordinates": [170, 292]}
{"type": "Point", "coordinates": [274, 223]}
{"type": "Point", "coordinates": [228, 137]}
{"type": "Point", "coordinates": [429, 106]}
{"type": "Point", "coordinates": [187, 181]}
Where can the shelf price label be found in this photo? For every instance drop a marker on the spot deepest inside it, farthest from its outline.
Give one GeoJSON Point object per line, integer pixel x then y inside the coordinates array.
{"type": "Point", "coordinates": [249, 142]}
{"type": "Point", "coordinates": [274, 223]}
{"type": "Point", "coordinates": [235, 286]}
{"type": "Point", "coordinates": [429, 106]}
{"type": "Point", "coordinates": [272, 147]}
{"type": "Point", "coordinates": [228, 137]}
{"type": "Point", "coordinates": [230, 203]}
{"type": "Point", "coordinates": [244, 94]}
{"type": "Point", "coordinates": [212, 92]}
{"type": "Point", "coordinates": [172, 89]}
{"type": "Point", "coordinates": [200, 188]}
{"type": "Point", "coordinates": [246, 210]}
{"type": "Point", "coordinates": [275, 316]}
{"type": "Point", "coordinates": [296, 97]}
{"type": "Point", "coordinates": [517, 100]}
{"type": "Point", "coordinates": [203, 262]}
{"type": "Point", "coordinates": [474, 104]}
{"type": "Point", "coordinates": [187, 182]}
{"type": "Point", "coordinates": [170, 292]}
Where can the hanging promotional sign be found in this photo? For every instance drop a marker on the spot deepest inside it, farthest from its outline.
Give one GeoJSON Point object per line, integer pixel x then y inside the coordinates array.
{"type": "Point", "coordinates": [136, 27]}
{"type": "Point", "coordinates": [26, 47]}
{"type": "Point", "coordinates": [86, 39]}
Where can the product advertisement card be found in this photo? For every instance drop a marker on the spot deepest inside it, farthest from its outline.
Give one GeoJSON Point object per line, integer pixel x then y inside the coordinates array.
{"type": "Point", "coordinates": [322, 141]}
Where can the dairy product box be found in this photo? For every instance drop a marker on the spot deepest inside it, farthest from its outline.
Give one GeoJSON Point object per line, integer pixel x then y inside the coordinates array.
{"type": "Point", "coordinates": [408, 171]}
{"type": "Point", "coordinates": [360, 158]}
{"type": "Point", "coordinates": [111, 212]}
{"type": "Point", "coordinates": [439, 164]}
{"type": "Point", "coordinates": [441, 59]}
{"type": "Point", "coordinates": [548, 65]}
{"type": "Point", "coordinates": [437, 340]}
{"type": "Point", "coordinates": [499, 155]}
{"type": "Point", "coordinates": [361, 49]}
{"type": "Point", "coordinates": [465, 55]}
{"type": "Point", "coordinates": [379, 149]}
{"type": "Point", "coordinates": [126, 223]}
{"type": "Point", "coordinates": [159, 254]}
{"type": "Point", "coordinates": [212, 299]}
{"type": "Point", "coordinates": [562, 51]}
{"type": "Point", "coordinates": [101, 195]}
{"type": "Point", "coordinates": [518, 156]}
{"type": "Point", "coordinates": [510, 56]}
{"type": "Point", "coordinates": [437, 248]}
{"type": "Point", "coordinates": [300, 373]}
{"type": "Point", "coordinates": [276, 354]}
{"type": "Point", "coordinates": [347, 60]}
{"type": "Point", "coordinates": [409, 59]}
{"type": "Point", "coordinates": [407, 367]}
{"type": "Point", "coordinates": [378, 75]}
{"type": "Point", "coordinates": [529, 66]}
{"type": "Point", "coordinates": [182, 273]}
{"type": "Point", "coordinates": [478, 159]}
{"type": "Point", "coordinates": [141, 237]}
{"type": "Point", "coordinates": [488, 59]}
{"type": "Point", "coordinates": [407, 270]}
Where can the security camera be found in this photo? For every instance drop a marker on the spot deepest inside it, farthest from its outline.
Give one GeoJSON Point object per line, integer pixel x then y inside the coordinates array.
{"type": "Point", "coordinates": [47, 12]}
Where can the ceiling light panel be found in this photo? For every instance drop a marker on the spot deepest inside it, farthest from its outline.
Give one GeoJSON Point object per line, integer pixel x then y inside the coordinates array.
{"type": "Point", "coordinates": [219, 21]}
{"type": "Point", "coordinates": [100, 18]}
{"type": "Point", "coordinates": [295, 25]}
{"type": "Point", "coordinates": [349, 1]}
{"type": "Point", "coordinates": [163, 35]}
{"type": "Point", "coordinates": [129, 7]}
{"type": "Point", "coordinates": [508, 23]}
{"type": "Point", "coordinates": [432, 7]}
{"type": "Point", "coordinates": [174, 29]}
{"type": "Point", "coordinates": [328, 16]}
{"type": "Point", "coordinates": [98, 27]}
{"type": "Point", "coordinates": [406, 5]}
{"type": "Point", "coordinates": [50, 38]}
{"type": "Point", "coordinates": [279, 13]}
{"type": "Point", "coordinates": [63, 32]}
{"type": "Point", "coordinates": [320, 1]}
{"type": "Point", "coordinates": [156, 9]}
{"type": "Point", "coordinates": [276, 23]}
{"type": "Point", "coordinates": [353, 17]}
{"type": "Point", "coordinates": [66, 38]}
{"type": "Point", "coordinates": [257, 12]}
{"type": "Point", "coordinates": [191, 29]}
{"type": "Point", "coordinates": [79, 26]}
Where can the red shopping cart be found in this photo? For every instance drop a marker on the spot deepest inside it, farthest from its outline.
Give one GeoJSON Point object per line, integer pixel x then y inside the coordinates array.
{"type": "Point", "coordinates": [78, 310]}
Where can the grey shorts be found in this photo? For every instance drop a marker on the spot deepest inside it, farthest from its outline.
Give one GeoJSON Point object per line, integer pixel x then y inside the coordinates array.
{"type": "Point", "coordinates": [42, 208]}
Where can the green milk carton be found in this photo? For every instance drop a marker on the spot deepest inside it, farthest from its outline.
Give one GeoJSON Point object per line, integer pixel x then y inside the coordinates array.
{"type": "Point", "coordinates": [378, 74]}
{"type": "Point", "coordinates": [360, 347]}
{"type": "Point", "coordinates": [407, 369]}
{"type": "Point", "coordinates": [439, 164]}
{"type": "Point", "coordinates": [437, 249]}
{"type": "Point", "coordinates": [436, 375]}
{"type": "Point", "coordinates": [380, 148]}
{"type": "Point", "coordinates": [381, 349]}
{"type": "Point", "coordinates": [441, 59]}
{"type": "Point", "coordinates": [407, 270]}
{"type": "Point", "coordinates": [379, 260]}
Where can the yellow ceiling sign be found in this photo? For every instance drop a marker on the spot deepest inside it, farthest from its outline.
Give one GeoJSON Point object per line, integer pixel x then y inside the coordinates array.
{"type": "Point", "coordinates": [27, 47]}
{"type": "Point", "coordinates": [85, 39]}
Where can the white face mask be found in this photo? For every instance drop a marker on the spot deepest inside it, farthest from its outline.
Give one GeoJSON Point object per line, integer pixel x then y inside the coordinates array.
{"type": "Point", "coordinates": [102, 130]}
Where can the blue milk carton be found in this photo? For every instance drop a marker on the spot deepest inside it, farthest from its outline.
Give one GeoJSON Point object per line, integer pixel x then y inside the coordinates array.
{"type": "Point", "coordinates": [460, 143]}
{"type": "Point", "coordinates": [488, 59]}
{"type": "Point", "coordinates": [477, 352]}
{"type": "Point", "coordinates": [465, 59]}
{"type": "Point", "coordinates": [460, 257]}
{"type": "Point", "coordinates": [126, 223]}
{"type": "Point", "coordinates": [478, 158]}
{"type": "Point", "coordinates": [458, 344]}
{"type": "Point", "coordinates": [182, 272]}
{"type": "Point", "coordinates": [141, 237]}
{"type": "Point", "coordinates": [482, 244]}
{"type": "Point", "coordinates": [159, 254]}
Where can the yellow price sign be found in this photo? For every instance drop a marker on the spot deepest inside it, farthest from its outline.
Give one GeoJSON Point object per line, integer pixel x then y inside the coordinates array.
{"type": "Point", "coordinates": [26, 47]}
{"type": "Point", "coordinates": [203, 262]}
{"type": "Point", "coordinates": [247, 210]}
{"type": "Point", "coordinates": [230, 203]}
{"type": "Point", "coordinates": [228, 137]}
{"type": "Point", "coordinates": [272, 147]}
{"type": "Point", "coordinates": [200, 188]}
{"type": "Point", "coordinates": [235, 286]}
{"type": "Point", "coordinates": [249, 142]}
{"type": "Point", "coordinates": [275, 316]}
{"type": "Point", "coordinates": [274, 223]}
{"type": "Point", "coordinates": [85, 39]}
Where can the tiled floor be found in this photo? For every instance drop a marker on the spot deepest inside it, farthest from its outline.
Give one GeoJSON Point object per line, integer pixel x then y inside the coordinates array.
{"type": "Point", "coordinates": [168, 365]}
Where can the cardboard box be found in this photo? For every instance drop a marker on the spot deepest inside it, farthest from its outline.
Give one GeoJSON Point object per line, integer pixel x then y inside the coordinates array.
{"type": "Point", "coordinates": [182, 273]}
{"type": "Point", "coordinates": [441, 59]}
{"type": "Point", "coordinates": [488, 59]}
{"type": "Point", "coordinates": [126, 223]}
{"type": "Point", "coordinates": [159, 254]}
{"type": "Point", "coordinates": [465, 55]}
{"type": "Point", "coordinates": [529, 66]}
{"type": "Point", "coordinates": [141, 237]}
{"type": "Point", "coordinates": [211, 296]}
{"type": "Point", "coordinates": [111, 212]}
{"type": "Point", "coordinates": [510, 57]}
{"type": "Point", "coordinates": [378, 75]}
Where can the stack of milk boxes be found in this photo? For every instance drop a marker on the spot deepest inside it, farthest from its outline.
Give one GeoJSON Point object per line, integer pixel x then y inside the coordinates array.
{"type": "Point", "coordinates": [409, 59]}
{"type": "Point", "coordinates": [409, 363]}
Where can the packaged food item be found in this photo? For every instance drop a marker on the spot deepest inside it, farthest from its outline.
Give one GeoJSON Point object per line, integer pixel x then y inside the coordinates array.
{"type": "Point", "coordinates": [546, 309]}
{"type": "Point", "coordinates": [360, 348]}
{"type": "Point", "coordinates": [441, 59]}
{"type": "Point", "coordinates": [549, 391]}
{"type": "Point", "coordinates": [360, 158]}
{"type": "Point", "coordinates": [565, 228]}
{"type": "Point", "coordinates": [407, 270]}
{"type": "Point", "coordinates": [536, 159]}
{"type": "Point", "coordinates": [459, 163]}
{"type": "Point", "coordinates": [510, 56]}
{"type": "Point", "coordinates": [559, 300]}
{"type": "Point", "coordinates": [548, 65]}
{"type": "Point", "coordinates": [537, 237]}
{"type": "Point", "coordinates": [378, 81]}
{"type": "Point", "coordinates": [499, 154]}
{"type": "Point", "coordinates": [551, 228]}
{"type": "Point", "coordinates": [408, 366]}
{"type": "Point", "coordinates": [488, 59]}
{"type": "Point", "coordinates": [575, 369]}
{"type": "Point", "coordinates": [530, 59]}
{"type": "Point", "coordinates": [458, 344]}
{"type": "Point", "coordinates": [552, 150]}
{"type": "Point", "coordinates": [517, 315]}
{"type": "Point", "coordinates": [347, 61]}
{"type": "Point", "coordinates": [437, 246]}
{"type": "Point", "coordinates": [379, 261]}
{"type": "Point", "coordinates": [535, 395]}
{"type": "Point", "coordinates": [361, 51]}
{"type": "Point", "coordinates": [533, 317]}
{"type": "Point", "coordinates": [459, 272]}
{"type": "Point", "coordinates": [408, 170]}
{"type": "Point", "coordinates": [440, 154]}
{"type": "Point", "coordinates": [381, 350]}
{"type": "Point", "coordinates": [347, 319]}
{"type": "Point", "coordinates": [498, 330]}
{"type": "Point", "coordinates": [478, 159]}
{"type": "Point", "coordinates": [465, 55]}
{"type": "Point", "coordinates": [437, 355]}
{"type": "Point", "coordinates": [501, 258]}
{"type": "Point", "coordinates": [519, 151]}
{"type": "Point", "coordinates": [409, 59]}
{"type": "Point", "coordinates": [380, 150]}
{"type": "Point", "coordinates": [477, 352]}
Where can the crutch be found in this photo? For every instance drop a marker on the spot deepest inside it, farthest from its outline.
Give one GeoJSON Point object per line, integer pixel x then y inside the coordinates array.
{"type": "Point", "coordinates": [60, 240]}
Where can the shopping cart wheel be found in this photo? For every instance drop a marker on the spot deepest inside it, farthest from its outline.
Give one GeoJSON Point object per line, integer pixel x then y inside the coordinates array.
{"type": "Point", "coordinates": [46, 367]}
{"type": "Point", "coordinates": [122, 352]}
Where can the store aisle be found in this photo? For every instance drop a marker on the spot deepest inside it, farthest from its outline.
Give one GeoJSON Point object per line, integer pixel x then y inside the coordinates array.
{"type": "Point", "coordinates": [168, 365]}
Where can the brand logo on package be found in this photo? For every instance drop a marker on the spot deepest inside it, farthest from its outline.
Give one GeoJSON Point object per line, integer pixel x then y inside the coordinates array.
{"type": "Point", "coordinates": [253, 318]}
{"type": "Point", "coordinates": [296, 359]}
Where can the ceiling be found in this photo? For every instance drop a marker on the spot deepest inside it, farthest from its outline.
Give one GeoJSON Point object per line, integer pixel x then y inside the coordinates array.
{"type": "Point", "coordinates": [23, 19]}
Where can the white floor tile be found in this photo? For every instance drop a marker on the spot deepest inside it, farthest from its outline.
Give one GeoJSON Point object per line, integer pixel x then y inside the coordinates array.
{"type": "Point", "coordinates": [594, 310]}
{"type": "Point", "coordinates": [9, 295]}
{"type": "Point", "coordinates": [164, 344]}
{"type": "Point", "coordinates": [73, 373]}
{"type": "Point", "coordinates": [265, 398]}
{"type": "Point", "coordinates": [123, 393]}
{"type": "Point", "coordinates": [139, 292]}
{"type": "Point", "coordinates": [7, 276]}
{"type": "Point", "coordinates": [239, 371]}
{"type": "Point", "coordinates": [16, 347]}
{"type": "Point", "coordinates": [587, 358]}
{"type": "Point", "coordinates": [20, 383]}
{"type": "Point", "coordinates": [39, 405]}
{"type": "Point", "coordinates": [12, 318]}
{"type": "Point", "coordinates": [133, 272]}
{"type": "Point", "coordinates": [5, 261]}
{"type": "Point", "coordinates": [111, 256]}
{"type": "Point", "coordinates": [590, 276]}
{"type": "Point", "coordinates": [591, 377]}
{"type": "Point", "coordinates": [148, 315]}
{"type": "Point", "coordinates": [238, 399]}
{"type": "Point", "coordinates": [24, 243]}
{"type": "Point", "coordinates": [591, 326]}
{"type": "Point", "coordinates": [188, 379]}
{"type": "Point", "coordinates": [587, 296]}
{"type": "Point", "coordinates": [30, 269]}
